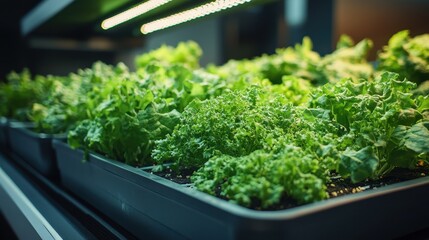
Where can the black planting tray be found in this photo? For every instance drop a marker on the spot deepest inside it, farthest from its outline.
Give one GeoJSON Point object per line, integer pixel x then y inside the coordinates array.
{"type": "Point", "coordinates": [4, 142]}
{"type": "Point", "coordinates": [153, 207]}
{"type": "Point", "coordinates": [34, 148]}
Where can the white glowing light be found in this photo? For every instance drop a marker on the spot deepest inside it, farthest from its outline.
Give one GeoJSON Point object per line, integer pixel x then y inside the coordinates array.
{"type": "Point", "coordinates": [190, 14]}
{"type": "Point", "coordinates": [132, 13]}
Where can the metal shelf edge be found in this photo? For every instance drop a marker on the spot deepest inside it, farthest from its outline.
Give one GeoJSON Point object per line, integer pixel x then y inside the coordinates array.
{"type": "Point", "coordinates": [21, 210]}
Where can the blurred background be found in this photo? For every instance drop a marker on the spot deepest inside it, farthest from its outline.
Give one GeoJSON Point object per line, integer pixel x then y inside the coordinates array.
{"type": "Point", "coordinates": [60, 36]}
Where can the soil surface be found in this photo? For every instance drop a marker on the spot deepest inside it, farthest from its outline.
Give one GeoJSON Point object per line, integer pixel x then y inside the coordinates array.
{"type": "Point", "coordinates": [180, 178]}
{"type": "Point", "coordinates": [337, 187]}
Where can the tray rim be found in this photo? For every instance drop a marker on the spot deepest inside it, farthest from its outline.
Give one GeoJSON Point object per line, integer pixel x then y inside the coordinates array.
{"type": "Point", "coordinates": [3, 121]}
{"type": "Point", "coordinates": [26, 127]}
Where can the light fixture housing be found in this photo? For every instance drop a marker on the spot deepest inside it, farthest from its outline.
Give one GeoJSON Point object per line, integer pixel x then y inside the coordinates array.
{"type": "Point", "coordinates": [132, 13]}
{"type": "Point", "coordinates": [185, 16]}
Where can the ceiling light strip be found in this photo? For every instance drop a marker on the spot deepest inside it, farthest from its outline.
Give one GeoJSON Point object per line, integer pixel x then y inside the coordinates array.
{"type": "Point", "coordinates": [190, 14]}
{"type": "Point", "coordinates": [132, 13]}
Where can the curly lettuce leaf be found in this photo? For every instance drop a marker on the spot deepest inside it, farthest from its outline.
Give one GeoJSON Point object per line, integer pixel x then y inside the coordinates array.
{"type": "Point", "coordinates": [186, 53]}
{"type": "Point", "coordinates": [262, 178]}
{"type": "Point", "coordinates": [347, 61]}
{"type": "Point", "coordinates": [129, 113]}
{"type": "Point", "coordinates": [358, 165]}
{"type": "Point", "coordinates": [73, 98]}
{"type": "Point", "coordinates": [374, 114]}
{"type": "Point", "coordinates": [406, 56]}
{"type": "Point", "coordinates": [20, 92]}
{"type": "Point", "coordinates": [235, 123]}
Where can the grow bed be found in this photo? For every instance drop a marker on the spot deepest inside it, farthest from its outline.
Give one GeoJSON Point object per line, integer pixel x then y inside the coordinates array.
{"type": "Point", "coordinates": [337, 187]}
{"type": "Point", "coordinates": [3, 134]}
{"type": "Point", "coordinates": [150, 206]}
{"type": "Point", "coordinates": [34, 148]}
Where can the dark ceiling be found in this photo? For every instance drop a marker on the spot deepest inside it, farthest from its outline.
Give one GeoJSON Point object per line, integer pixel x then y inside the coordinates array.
{"type": "Point", "coordinates": [79, 21]}
{"type": "Point", "coordinates": [12, 11]}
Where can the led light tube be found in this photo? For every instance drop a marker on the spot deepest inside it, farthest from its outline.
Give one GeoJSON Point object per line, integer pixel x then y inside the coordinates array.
{"type": "Point", "coordinates": [190, 14]}
{"type": "Point", "coordinates": [132, 13]}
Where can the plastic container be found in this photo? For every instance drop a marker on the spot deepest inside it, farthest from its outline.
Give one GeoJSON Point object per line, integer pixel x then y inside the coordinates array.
{"type": "Point", "coordinates": [4, 141]}
{"type": "Point", "coordinates": [34, 148]}
{"type": "Point", "coordinates": [153, 207]}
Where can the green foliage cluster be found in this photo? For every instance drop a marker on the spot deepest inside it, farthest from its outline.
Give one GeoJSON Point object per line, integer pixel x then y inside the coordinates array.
{"type": "Point", "coordinates": [137, 110]}
{"type": "Point", "coordinates": [376, 116]}
{"type": "Point", "coordinates": [73, 98]}
{"type": "Point", "coordinates": [20, 92]}
{"type": "Point", "coordinates": [235, 123]}
{"type": "Point", "coordinates": [347, 61]}
{"type": "Point", "coordinates": [263, 177]}
{"type": "Point", "coordinates": [186, 53]}
{"type": "Point", "coordinates": [254, 131]}
{"type": "Point", "coordinates": [251, 148]}
{"type": "Point", "coordinates": [243, 139]}
{"type": "Point", "coordinates": [300, 61]}
{"type": "Point", "coordinates": [407, 56]}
